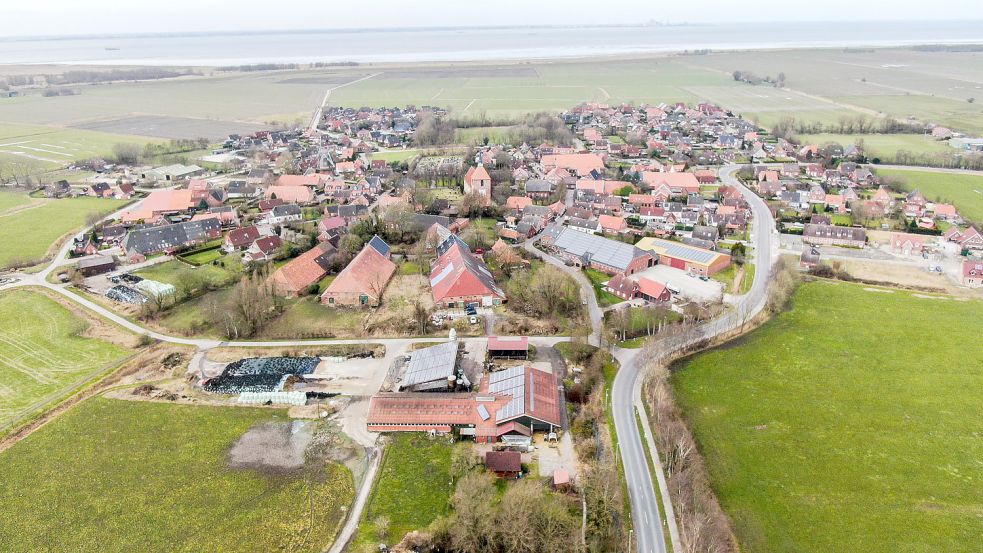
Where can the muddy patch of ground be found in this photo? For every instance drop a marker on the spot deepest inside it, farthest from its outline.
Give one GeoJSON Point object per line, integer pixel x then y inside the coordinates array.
{"type": "Point", "coordinates": [273, 447]}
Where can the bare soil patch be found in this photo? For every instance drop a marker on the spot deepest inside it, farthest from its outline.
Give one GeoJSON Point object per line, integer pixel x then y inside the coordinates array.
{"type": "Point", "coordinates": [273, 447]}
{"type": "Point", "coordinates": [161, 126]}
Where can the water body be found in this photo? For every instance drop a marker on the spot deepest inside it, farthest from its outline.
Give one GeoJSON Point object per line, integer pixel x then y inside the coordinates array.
{"type": "Point", "coordinates": [464, 44]}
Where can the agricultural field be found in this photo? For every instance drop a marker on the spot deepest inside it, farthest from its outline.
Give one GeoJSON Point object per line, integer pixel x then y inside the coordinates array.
{"type": "Point", "coordinates": [53, 147]}
{"type": "Point", "coordinates": [45, 354]}
{"type": "Point", "coordinates": [965, 191]}
{"type": "Point", "coordinates": [412, 490]}
{"type": "Point", "coordinates": [819, 419]}
{"type": "Point", "coordinates": [882, 145]}
{"type": "Point", "coordinates": [158, 478]}
{"type": "Point", "coordinates": [29, 233]}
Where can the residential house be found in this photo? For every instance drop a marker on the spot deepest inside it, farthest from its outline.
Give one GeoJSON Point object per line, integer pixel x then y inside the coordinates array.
{"type": "Point", "coordinates": [140, 243]}
{"type": "Point", "coordinates": [297, 275]}
{"type": "Point", "coordinates": [363, 281]}
{"type": "Point", "coordinates": [834, 236]}
{"type": "Point", "coordinates": [972, 273]}
{"type": "Point", "coordinates": [539, 189]}
{"type": "Point", "coordinates": [302, 195]}
{"type": "Point", "coordinates": [241, 238]}
{"type": "Point", "coordinates": [286, 213]}
{"type": "Point", "coordinates": [653, 291]}
{"type": "Point", "coordinates": [622, 286]}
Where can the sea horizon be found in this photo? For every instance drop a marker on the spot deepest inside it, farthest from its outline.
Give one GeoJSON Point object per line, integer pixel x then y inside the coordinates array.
{"type": "Point", "coordinates": [468, 43]}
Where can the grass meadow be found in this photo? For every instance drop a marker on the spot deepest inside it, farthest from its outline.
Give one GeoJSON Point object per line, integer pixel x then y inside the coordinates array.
{"type": "Point", "coordinates": [29, 233]}
{"type": "Point", "coordinates": [883, 145]}
{"type": "Point", "coordinates": [848, 423]}
{"type": "Point", "coordinates": [963, 191]}
{"type": "Point", "coordinates": [412, 490]}
{"type": "Point", "coordinates": [44, 354]}
{"type": "Point", "coordinates": [114, 475]}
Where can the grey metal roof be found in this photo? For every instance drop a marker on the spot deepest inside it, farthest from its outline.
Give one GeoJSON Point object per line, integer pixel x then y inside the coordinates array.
{"type": "Point", "coordinates": [599, 249]}
{"type": "Point", "coordinates": [429, 364]}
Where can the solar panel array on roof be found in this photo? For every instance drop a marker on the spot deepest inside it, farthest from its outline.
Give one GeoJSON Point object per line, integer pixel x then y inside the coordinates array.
{"type": "Point", "coordinates": [683, 252]}
{"type": "Point", "coordinates": [511, 382]}
{"type": "Point", "coordinates": [380, 245]}
{"type": "Point", "coordinates": [430, 364]}
{"type": "Point", "coordinates": [483, 413]}
{"type": "Point", "coordinates": [599, 249]}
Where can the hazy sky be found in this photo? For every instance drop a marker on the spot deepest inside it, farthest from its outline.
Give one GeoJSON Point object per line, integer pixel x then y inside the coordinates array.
{"type": "Point", "coordinates": [60, 17]}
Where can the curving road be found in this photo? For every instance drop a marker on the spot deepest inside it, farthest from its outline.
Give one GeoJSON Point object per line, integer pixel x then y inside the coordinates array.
{"type": "Point", "coordinates": [626, 395]}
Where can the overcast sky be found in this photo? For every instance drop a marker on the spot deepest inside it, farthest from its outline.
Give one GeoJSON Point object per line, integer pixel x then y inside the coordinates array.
{"type": "Point", "coordinates": [84, 17]}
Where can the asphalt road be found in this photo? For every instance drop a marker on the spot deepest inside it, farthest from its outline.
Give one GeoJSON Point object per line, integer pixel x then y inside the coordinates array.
{"type": "Point", "coordinates": [626, 395]}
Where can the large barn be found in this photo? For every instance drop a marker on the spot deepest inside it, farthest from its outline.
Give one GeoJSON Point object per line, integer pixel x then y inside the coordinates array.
{"type": "Point", "coordinates": [687, 258]}
{"type": "Point", "coordinates": [513, 402]}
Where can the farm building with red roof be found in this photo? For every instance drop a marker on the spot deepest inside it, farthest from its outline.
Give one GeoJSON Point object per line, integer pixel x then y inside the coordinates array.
{"type": "Point", "coordinates": [364, 280]}
{"type": "Point", "coordinates": [519, 400]}
{"type": "Point", "coordinates": [302, 271]}
{"type": "Point", "coordinates": [459, 278]}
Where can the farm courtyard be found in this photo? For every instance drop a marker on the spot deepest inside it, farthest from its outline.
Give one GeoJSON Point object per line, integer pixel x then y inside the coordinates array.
{"type": "Point", "coordinates": [855, 412]}
{"type": "Point", "coordinates": [143, 476]}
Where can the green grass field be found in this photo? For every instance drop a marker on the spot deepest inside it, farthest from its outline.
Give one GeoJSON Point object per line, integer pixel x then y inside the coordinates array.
{"type": "Point", "coordinates": [396, 155]}
{"type": "Point", "coordinates": [963, 191]}
{"type": "Point", "coordinates": [604, 298]}
{"type": "Point", "coordinates": [848, 423]}
{"type": "Point", "coordinates": [113, 475]}
{"type": "Point", "coordinates": [413, 488]}
{"type": "Point", "coordinates": [30, 232]}
{"type": "Point", "coordinates": [216, 276]}
{"type": "Point", "coordinates": [53, 147]}
{"type": "Point", "coordinates": [883, 145]}
{"type": "Point", "coordinates": [43, 355]}
{"type": "Point", "coordinates": [10, 200]}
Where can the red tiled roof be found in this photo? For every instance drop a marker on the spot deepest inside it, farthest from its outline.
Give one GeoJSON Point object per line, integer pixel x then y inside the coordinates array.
{"type": "Point", "coordinates": [301, 180]}
{"type": "Point", "coordinates": [291, 194]}
{"type": "Point", "coordinates": [302, 271]}
{"type": "Point", "coordinates": [651, 288]}
{"type": "Point", "coordinates": [509, 343]}
{"type": "Point", "coordinates": [503, 461]}
{"type": "Point", "coordinates": [163, 201]}
{"type": "Point", "coordinates": [675, 181]}
{"type": "Point", "coordinates": [610, 222]}
{"type": "Point", "coordinates": [241, 237]}
{"type": "Point", "coordinates": [368, 273]}
{"type": "Point", "coordinates": [422, 408]}
{"type": "Point", "coordinates": [581, 164]}
{"type": "Point", "coordinates": [458, 273]}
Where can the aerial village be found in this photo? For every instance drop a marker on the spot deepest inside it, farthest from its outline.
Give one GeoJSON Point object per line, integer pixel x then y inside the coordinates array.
{"type": "Point", "coordinates": [329, 232]}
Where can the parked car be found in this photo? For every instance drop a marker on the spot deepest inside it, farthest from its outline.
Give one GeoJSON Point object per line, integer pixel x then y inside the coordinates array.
{"type": "Point", "coordinates": [473, 320]}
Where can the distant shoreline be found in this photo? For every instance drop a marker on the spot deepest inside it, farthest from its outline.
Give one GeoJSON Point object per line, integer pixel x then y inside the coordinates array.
{"type": "Point", "coordinates": [447, 45]}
